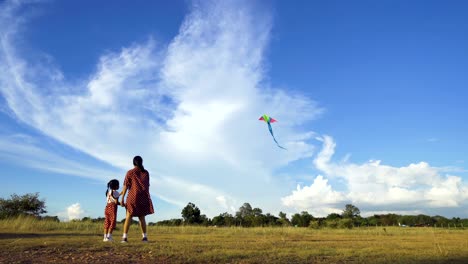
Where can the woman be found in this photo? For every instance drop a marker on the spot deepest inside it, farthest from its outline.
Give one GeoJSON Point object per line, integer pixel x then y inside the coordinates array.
{"type": "Point", "coordinates": [138, 201]}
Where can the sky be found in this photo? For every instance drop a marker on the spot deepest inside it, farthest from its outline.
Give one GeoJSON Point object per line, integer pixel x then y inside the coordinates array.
{"type": "Point", "coordinates": [368, 95]}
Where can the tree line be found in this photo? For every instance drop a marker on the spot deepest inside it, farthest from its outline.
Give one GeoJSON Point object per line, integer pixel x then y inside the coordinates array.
{"type": "Point", "coordinates": [350, 217]}
{"type": "Point", "coordinates": [246, 216]}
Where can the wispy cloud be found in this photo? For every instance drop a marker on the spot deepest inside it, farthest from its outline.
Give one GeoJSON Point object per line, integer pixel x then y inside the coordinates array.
{"type": "Point", "coordinates": [28, 151]}
{"type": "Point", "coordinates": [189, 109]}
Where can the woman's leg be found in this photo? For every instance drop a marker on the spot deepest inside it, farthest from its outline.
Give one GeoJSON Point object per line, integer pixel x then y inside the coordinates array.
{"type": "Point", "coordinates": [142, 224]}
{"type": "Point", "coordinates": [128, 221]}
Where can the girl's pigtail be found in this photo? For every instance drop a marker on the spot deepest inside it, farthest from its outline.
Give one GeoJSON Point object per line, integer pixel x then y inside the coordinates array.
{"type": "Point", "coordinates": [107, 191]}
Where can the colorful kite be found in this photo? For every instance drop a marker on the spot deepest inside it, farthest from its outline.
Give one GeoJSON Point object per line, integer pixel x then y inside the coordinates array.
{"type": "Point", "coordinates": [270, 120]}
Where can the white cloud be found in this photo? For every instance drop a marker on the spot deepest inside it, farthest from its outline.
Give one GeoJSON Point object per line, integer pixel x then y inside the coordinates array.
{"type": "Point", "coordinates": [318, 194]}
{"type": "Point", "coordinates": [190, 110]}
{"type": "Point", "coordinates": [28, 151]}
{"type": "Point", "coordinates": [448, 193]}
{"type": "Point", "coordinates": [373, 185]}
{"type": "Point", "coordinates": [72, 212]}
{"type": "Point", "coordinates": [227, 203]}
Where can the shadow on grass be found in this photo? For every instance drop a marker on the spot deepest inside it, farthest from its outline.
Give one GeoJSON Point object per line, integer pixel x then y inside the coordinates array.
{"type": "Point", "coordinates": [451, 260]}
{"type": "Point", "coordinates": [39, 235]}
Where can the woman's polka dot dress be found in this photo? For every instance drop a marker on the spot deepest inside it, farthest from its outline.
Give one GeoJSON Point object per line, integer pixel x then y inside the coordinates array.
{"type": "Point", "coordinates": [138, 200]}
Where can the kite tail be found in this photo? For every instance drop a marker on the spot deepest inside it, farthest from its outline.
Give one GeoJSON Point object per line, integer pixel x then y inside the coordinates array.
{"type": "Point", "coordinates": [281, 146]}
{"type": "Point", "coordinates": [271, 132]}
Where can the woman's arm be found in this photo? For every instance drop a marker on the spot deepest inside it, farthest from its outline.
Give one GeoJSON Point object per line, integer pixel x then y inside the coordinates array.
{"type": "Point", "coordinates": [122, 194]}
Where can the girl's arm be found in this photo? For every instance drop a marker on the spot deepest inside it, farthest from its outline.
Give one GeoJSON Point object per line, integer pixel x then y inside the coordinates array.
{"type": "Point", "coordinates": [114, 200]}
{"type": "Point", "coordinates": [111, 197]}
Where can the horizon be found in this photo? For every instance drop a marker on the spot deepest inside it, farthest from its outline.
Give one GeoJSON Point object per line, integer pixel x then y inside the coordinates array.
{"type": "Point", "coordinates": [368, 98]}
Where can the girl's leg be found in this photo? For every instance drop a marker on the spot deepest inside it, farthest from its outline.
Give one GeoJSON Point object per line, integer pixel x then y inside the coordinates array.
{"type": "Point", "coordinates": [113, 222]}
{"type": "Point", "coordinates": [106, 227]}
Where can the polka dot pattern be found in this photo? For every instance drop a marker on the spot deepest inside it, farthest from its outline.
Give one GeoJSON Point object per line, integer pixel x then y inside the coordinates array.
{"type": "Point", "coordinates": [110, 214]}
{"type": "Point", "coordinates": [138, 201]}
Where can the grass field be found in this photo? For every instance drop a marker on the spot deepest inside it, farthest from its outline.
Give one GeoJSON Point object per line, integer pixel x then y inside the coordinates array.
{"type": "Point", "coordinates": [32, 241]}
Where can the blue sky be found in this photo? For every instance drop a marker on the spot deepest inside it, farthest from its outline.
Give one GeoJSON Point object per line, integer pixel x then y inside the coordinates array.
{"type": "Point", "coordinates": [369, 96]}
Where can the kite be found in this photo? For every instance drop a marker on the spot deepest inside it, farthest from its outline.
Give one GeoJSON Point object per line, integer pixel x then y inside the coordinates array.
{"type": "Point", "coordinates": [270, 120]}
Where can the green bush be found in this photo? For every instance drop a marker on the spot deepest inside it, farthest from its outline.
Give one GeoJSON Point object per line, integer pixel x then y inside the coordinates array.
{"type": "Point", "coordinates": [345, 223]}
{"type": "Point", "coordinates": [331, 223]}
{"type": "Point", "coordinates": [315, 224]}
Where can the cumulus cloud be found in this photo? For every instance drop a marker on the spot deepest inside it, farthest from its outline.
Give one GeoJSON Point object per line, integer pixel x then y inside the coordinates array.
{"type": "Point", "coordinates": [72, 212]}
{"type": "Point", "coordinates": [319, 193]}
{"type": "Point", "coordinates": [319, 198]}
{"type": "Point", "coordinates": [379, 187]}
{"type": "Point", "coordinates": [189, 108]}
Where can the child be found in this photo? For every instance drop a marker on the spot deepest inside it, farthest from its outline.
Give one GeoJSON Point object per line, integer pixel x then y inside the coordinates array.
{"type": "Point", "coordinates": [111, 209]}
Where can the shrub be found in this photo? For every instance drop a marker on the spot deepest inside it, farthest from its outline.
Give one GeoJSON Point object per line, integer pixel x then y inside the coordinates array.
{"type": "Point", "coordinates": [345, 223]}
{"type": "Point", "coordinates": [331, 223]}
{"type": "Point", "coordinates": [315, 224]}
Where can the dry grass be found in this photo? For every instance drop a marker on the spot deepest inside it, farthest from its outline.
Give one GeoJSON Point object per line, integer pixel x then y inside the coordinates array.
{"type": "Point", "coordinates": [42, 242]}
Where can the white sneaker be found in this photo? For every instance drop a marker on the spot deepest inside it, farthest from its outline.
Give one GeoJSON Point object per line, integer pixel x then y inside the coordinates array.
{"type": "Point", "coordinates": [110, 239]}
{"type": "Point", "coordinates": [105, 239]}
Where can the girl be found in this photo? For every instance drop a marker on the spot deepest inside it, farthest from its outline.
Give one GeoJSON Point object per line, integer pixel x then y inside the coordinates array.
{"type": "Point", "coordinates": [111, 209]}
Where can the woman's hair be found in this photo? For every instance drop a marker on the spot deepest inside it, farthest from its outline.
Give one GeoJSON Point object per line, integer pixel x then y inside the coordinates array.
{"type": "Point", "coordinates": [138, 161]}
{"type": "Point", "coordinates": [112, 185]}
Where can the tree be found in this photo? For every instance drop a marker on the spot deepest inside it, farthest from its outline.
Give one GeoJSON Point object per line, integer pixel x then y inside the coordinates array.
{"type": "Point", "coordinates": [224, 219]}
{"type": "Point", "coordinates": [219, 220]}
{"type": "Point", "coordinates": [229, 220]}
{"type": "Point", "coordinates": [373, 220]}
{"type": "Point", "coordinates": [245, 215]}
{"type": "Point", "coordinates": [171, 222]}
{"type": "Point", "coordinates": [51, 218]}
{"type": "Point", "coordinates": [302, 220]}
{"type": "Point", "coordinates": [389, 219]}
{"type": "Point", "coordinates": [191, 214]}
{"type": "Point", "coordinates": [306, 218]}
{"type": "Point", "coordinates": [424, 220]}
{"type": "Point", "coordinates": [133, 222]}
{"type": "Point", "coordinates": [333, 216]}
{"type": "Point", "coordinates": [204, 220]}
{"type": "Point", "coordinates": [282, 215]}
{"type": "Point", "coordinates": [28, 204]}
{"type": "Point", "coordinates": [283, 219]}
{"type": "Point", "coordinates": [439, 220]}
{"type": "Point", "coordinates": [345, 223]}
{"type": "Point", "coordinates": [244, 211]}
{"type": "Point", "coordinates": [257, 211]}
{"type": "Point", "coordinates": [350, 211]}
{"type": "Point", "coordinates": [270, 220]}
